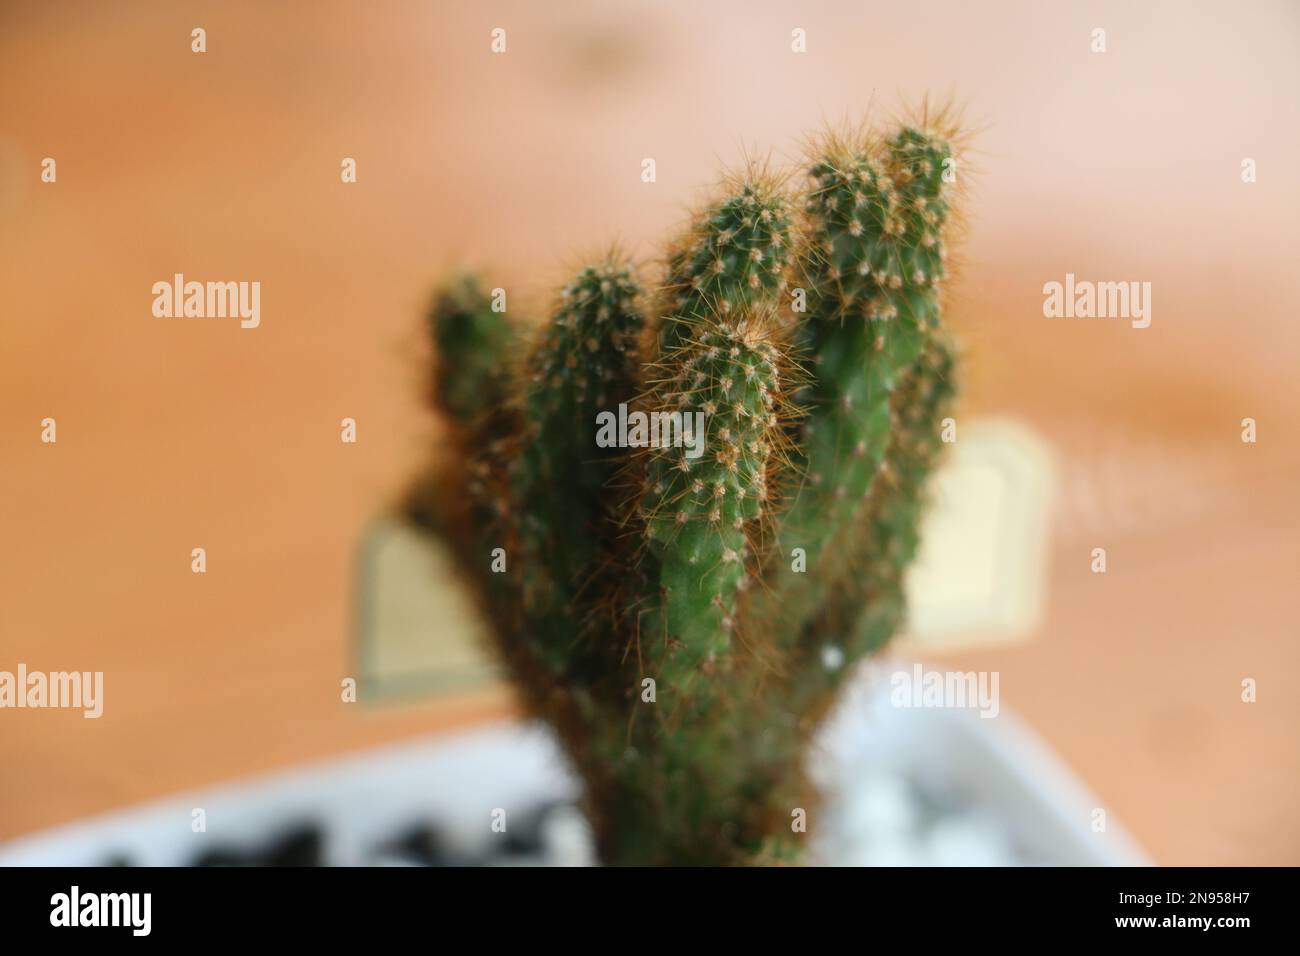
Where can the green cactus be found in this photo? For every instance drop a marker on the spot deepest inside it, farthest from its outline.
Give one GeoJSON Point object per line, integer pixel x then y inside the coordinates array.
{"type": "Point", "coordinates": [670, 609]}
{"type": "Point", "coordinates": [735, 254]}
{"type": "Point", "coordinates": [584, 363]}
{"type": "Point", "coordinates": [873, 269]}
{"type": "Point", "coordinates": [474, 339]}
{"type": "Point", "coordinates": [473, 345]}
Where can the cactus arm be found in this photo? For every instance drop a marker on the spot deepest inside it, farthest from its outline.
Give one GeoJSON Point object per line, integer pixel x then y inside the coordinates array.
{"type": "Point", "coordinates": [700, 522]}
{"type": "Point", "coordinates": [701, 514]}
{"type": "Point", "coordinates": [584, 364]}
{"type": "Point", "coordinates": [702, 519]}
{"type": "Point", "coordinates": [734, 255]}
{"type": "Point", "coordinates": [474, 345]}
{"type": "Point", "coordinates": [873, 265]}
{"type": "Point", "coordinates": [865, 607]}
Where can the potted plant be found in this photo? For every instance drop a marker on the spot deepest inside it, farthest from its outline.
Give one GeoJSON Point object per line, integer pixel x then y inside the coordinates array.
{"type": "Point", "coordinates": [687, 513]}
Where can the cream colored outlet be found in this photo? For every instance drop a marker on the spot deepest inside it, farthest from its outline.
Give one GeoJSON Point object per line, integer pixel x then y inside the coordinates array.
{"type": "Point", "coordinates": [419, 631]}
{"type": "Point", "coordinates": [981, 571]}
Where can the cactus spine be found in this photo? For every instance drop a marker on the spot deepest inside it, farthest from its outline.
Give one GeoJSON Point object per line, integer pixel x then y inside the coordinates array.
{"type": "Point", "coordinates": [651, 609]}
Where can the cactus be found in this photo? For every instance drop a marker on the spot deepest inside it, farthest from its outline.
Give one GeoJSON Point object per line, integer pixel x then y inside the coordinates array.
{"type": "Point", "coordinates": [683, 615]}
{"type": "Point", "coordinates": [471, 388]}
{"type": "Point", "coordinates": [734, 254]}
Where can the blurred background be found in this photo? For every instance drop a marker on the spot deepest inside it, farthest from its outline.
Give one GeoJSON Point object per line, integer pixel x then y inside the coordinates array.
{"type": "Point", "coordinates": [182, 433]}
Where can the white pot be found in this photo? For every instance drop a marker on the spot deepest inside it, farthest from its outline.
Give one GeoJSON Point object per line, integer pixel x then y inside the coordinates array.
{"type": "Point", "coordinates": [902, 786]}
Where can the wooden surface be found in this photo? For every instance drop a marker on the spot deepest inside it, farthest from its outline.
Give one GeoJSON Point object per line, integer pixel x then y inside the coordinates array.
{"type": "Point", "coordinates": [183, 433]}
